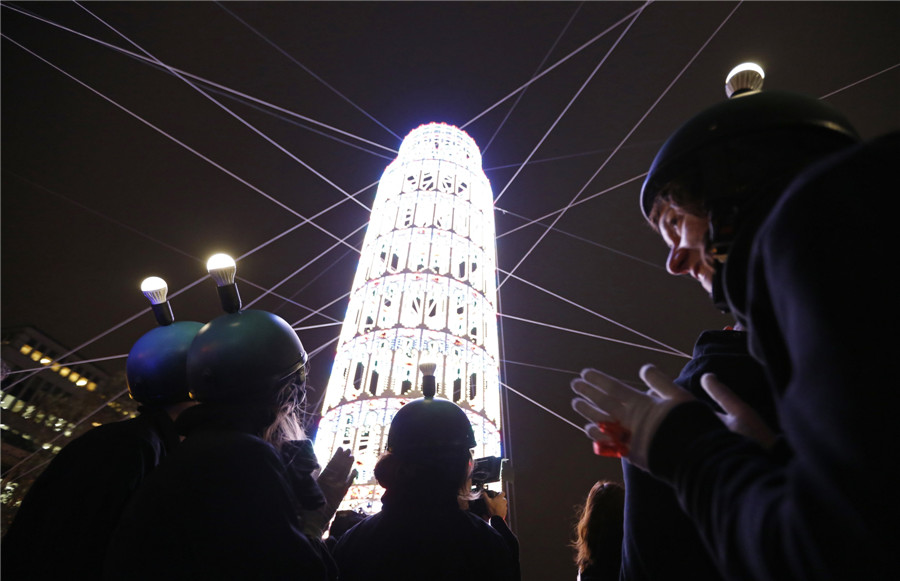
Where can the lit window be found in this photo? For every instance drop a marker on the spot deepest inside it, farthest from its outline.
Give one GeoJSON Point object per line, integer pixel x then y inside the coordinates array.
{"type": "Point", "coordinates": [7, 401]}
{"type": "Point", "coordinates": [73, 377]}
{"type": "Point", "coordinates": [55, 367]}
{"type": "Point", "coordinates": [64, 371]}
{"type": "Point", "coordinates": [25, 349]}
{"type": "Point", "coordinates": [91, 386]}
{"type": "Point", "coordinates": [81, 382]}
{"type": "Point", "coordinates": [45, 360]}
{"type": "Point", "coordinates": [36, 355]}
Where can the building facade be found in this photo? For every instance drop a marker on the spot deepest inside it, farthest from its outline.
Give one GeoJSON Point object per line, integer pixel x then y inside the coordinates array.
{"type": "Point", "coordinates": [43, 405]}
{"type": "Point", "coordinates": [425, 291]}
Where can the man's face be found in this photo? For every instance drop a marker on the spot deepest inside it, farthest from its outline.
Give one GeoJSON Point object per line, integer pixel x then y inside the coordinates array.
{"type": "Point", "coordinates": [685, 234]}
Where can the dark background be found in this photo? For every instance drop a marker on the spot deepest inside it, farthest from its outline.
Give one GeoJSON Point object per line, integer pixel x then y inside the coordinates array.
{"type": "Point", "coordinates": [115, 169]}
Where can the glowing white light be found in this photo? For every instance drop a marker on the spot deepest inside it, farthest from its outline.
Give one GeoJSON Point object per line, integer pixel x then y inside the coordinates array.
{"type": "Point", "coordinates": [744, 77]}
{"type": "Point", "coordinates": [155, 289]}
{"type": "Point", "coordinates": [423, 301]}
{"type": "Point", "coordinates": [221, 268]}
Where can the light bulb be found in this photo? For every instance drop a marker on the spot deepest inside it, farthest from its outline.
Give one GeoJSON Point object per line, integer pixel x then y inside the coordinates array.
{"type": "Point", "coordinates": [221, 268]}
{"type": "Point", "coordinates": [429, 384]}
{"type": "Point", "coordinates": [743, 78]}
{"type": "Point", "coordinates": [155, 289]}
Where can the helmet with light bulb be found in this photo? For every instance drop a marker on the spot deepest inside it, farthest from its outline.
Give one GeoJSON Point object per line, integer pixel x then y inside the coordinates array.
{"type": "Point", "coordinates": [157, 364]}
{"type": "Point", "coordinates": [430, 424]}
{"type": "Point", "coordinates": [731, 161]}
{"type": "Point", "coordinates": [709, 146]}
{"type": "Point", "coordinates": [246, 356]}
{"type": "Point", "coordinates": [156, 368]}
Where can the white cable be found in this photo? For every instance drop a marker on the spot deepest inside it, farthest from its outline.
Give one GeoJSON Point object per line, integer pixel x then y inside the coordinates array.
{"type": "Point", "coordinates": [553, 66]}
{"type": "Point", "coordinates": [622, 142]}
{"type": "Point", "coordinates": [200, 79]}
{"type": "Point", "coordinates": [234, 115]}
{"type": "Point", "coordinates": [594, 336]}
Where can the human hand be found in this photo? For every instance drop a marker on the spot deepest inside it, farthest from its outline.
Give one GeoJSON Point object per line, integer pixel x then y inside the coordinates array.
{"type": "Point", "coordinates": [334, 481]}
{"type": "Point", "coordinates": [496, 505]}
{"type": "Point", "coordinates": [336, 478]}
{"type": "Point", "coordinates": [623, 419]}
{"type": "Point", "coordinates": [739, 417]}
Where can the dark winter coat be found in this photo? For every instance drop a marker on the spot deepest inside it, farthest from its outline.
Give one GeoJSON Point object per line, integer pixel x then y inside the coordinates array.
{"type": "Point", "coordinates": [424, 538]}
{"type": "Point", "coordinates": [222, 507]}
{"type": "Point", "coordinates": [821, 319]}
{"type": "Point", "coordinates": [73, 506]}
{"type": "Point", "coordinates": [660, 540]}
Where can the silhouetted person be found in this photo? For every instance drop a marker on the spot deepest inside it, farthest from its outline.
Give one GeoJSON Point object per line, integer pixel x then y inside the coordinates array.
{"type": "Point", "coordinates": [69, 513]}
{"type": "Point", "coordinates": [227, 504]}
{"type": "Point", "coordinates": [421, 531]}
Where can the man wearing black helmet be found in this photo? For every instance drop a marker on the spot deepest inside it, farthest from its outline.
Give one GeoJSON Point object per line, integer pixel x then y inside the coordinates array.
{"type": "Point", "coordinates": [771, 198]}
{"type": "Point", "coordinates": [421, 531]}
{"type": "Point", "coordinates": [74, 505]}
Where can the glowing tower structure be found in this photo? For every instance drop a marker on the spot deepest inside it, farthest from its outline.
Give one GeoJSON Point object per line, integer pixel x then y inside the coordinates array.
{"type": "Point", "coordinates": [425, 292]}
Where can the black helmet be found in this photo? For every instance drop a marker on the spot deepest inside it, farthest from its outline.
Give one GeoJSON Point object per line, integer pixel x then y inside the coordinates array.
{"type": "Point", "coordinates": [430, 425]}
{"type": "Point", "coordinates": [156, 369]}
{"type": "Point", "coordinates": [244, 356]}
{"type": "Point", "coordinates": [749, 114]}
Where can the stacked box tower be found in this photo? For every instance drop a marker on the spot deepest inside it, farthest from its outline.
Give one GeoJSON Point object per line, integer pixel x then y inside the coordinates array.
{"type": "Point", "coordinates": [425, 291]}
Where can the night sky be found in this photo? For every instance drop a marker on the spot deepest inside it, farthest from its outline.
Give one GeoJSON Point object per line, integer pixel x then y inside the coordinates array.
{"type": "Point", "coordinates": [140, 138]}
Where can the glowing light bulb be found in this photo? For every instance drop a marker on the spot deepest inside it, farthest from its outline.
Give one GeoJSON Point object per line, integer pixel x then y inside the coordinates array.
{"type": "Point", "coordinates": [222, 268]}
{"type": "Point", "coordinates": [156, 289]}
{"type": "Point", "coordinates": [429, 385]}
{"type": "Point", "coordinates": [744, 78]}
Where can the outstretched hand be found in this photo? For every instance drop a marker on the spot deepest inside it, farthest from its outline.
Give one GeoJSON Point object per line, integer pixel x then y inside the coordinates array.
{"type": "Point", "coordinates": [334, 481]}
{"type": "Point", "coordinates": [739, 417]}
{"type": "Point", "coordinates": [336, 478]}
{"type": "Point", "coordinates": [623, 419]}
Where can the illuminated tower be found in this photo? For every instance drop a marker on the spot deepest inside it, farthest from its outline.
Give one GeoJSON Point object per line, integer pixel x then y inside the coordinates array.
{"type": "Point", "coordinates": [425, 292]}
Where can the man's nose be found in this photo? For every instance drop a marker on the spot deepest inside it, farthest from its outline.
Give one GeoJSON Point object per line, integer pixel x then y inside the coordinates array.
{"type": "Point", "coordinates": [679, 261]}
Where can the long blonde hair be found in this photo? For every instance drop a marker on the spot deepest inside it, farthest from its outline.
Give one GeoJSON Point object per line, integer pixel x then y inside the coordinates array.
{"type": "Point", "coordinates": [287, 425]}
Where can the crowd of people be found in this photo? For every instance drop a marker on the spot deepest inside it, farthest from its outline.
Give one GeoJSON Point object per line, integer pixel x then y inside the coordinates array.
{"type": "Point", "coordinates": [769, 457]}
{"type": "Point", "coordinates": [215, 478]}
